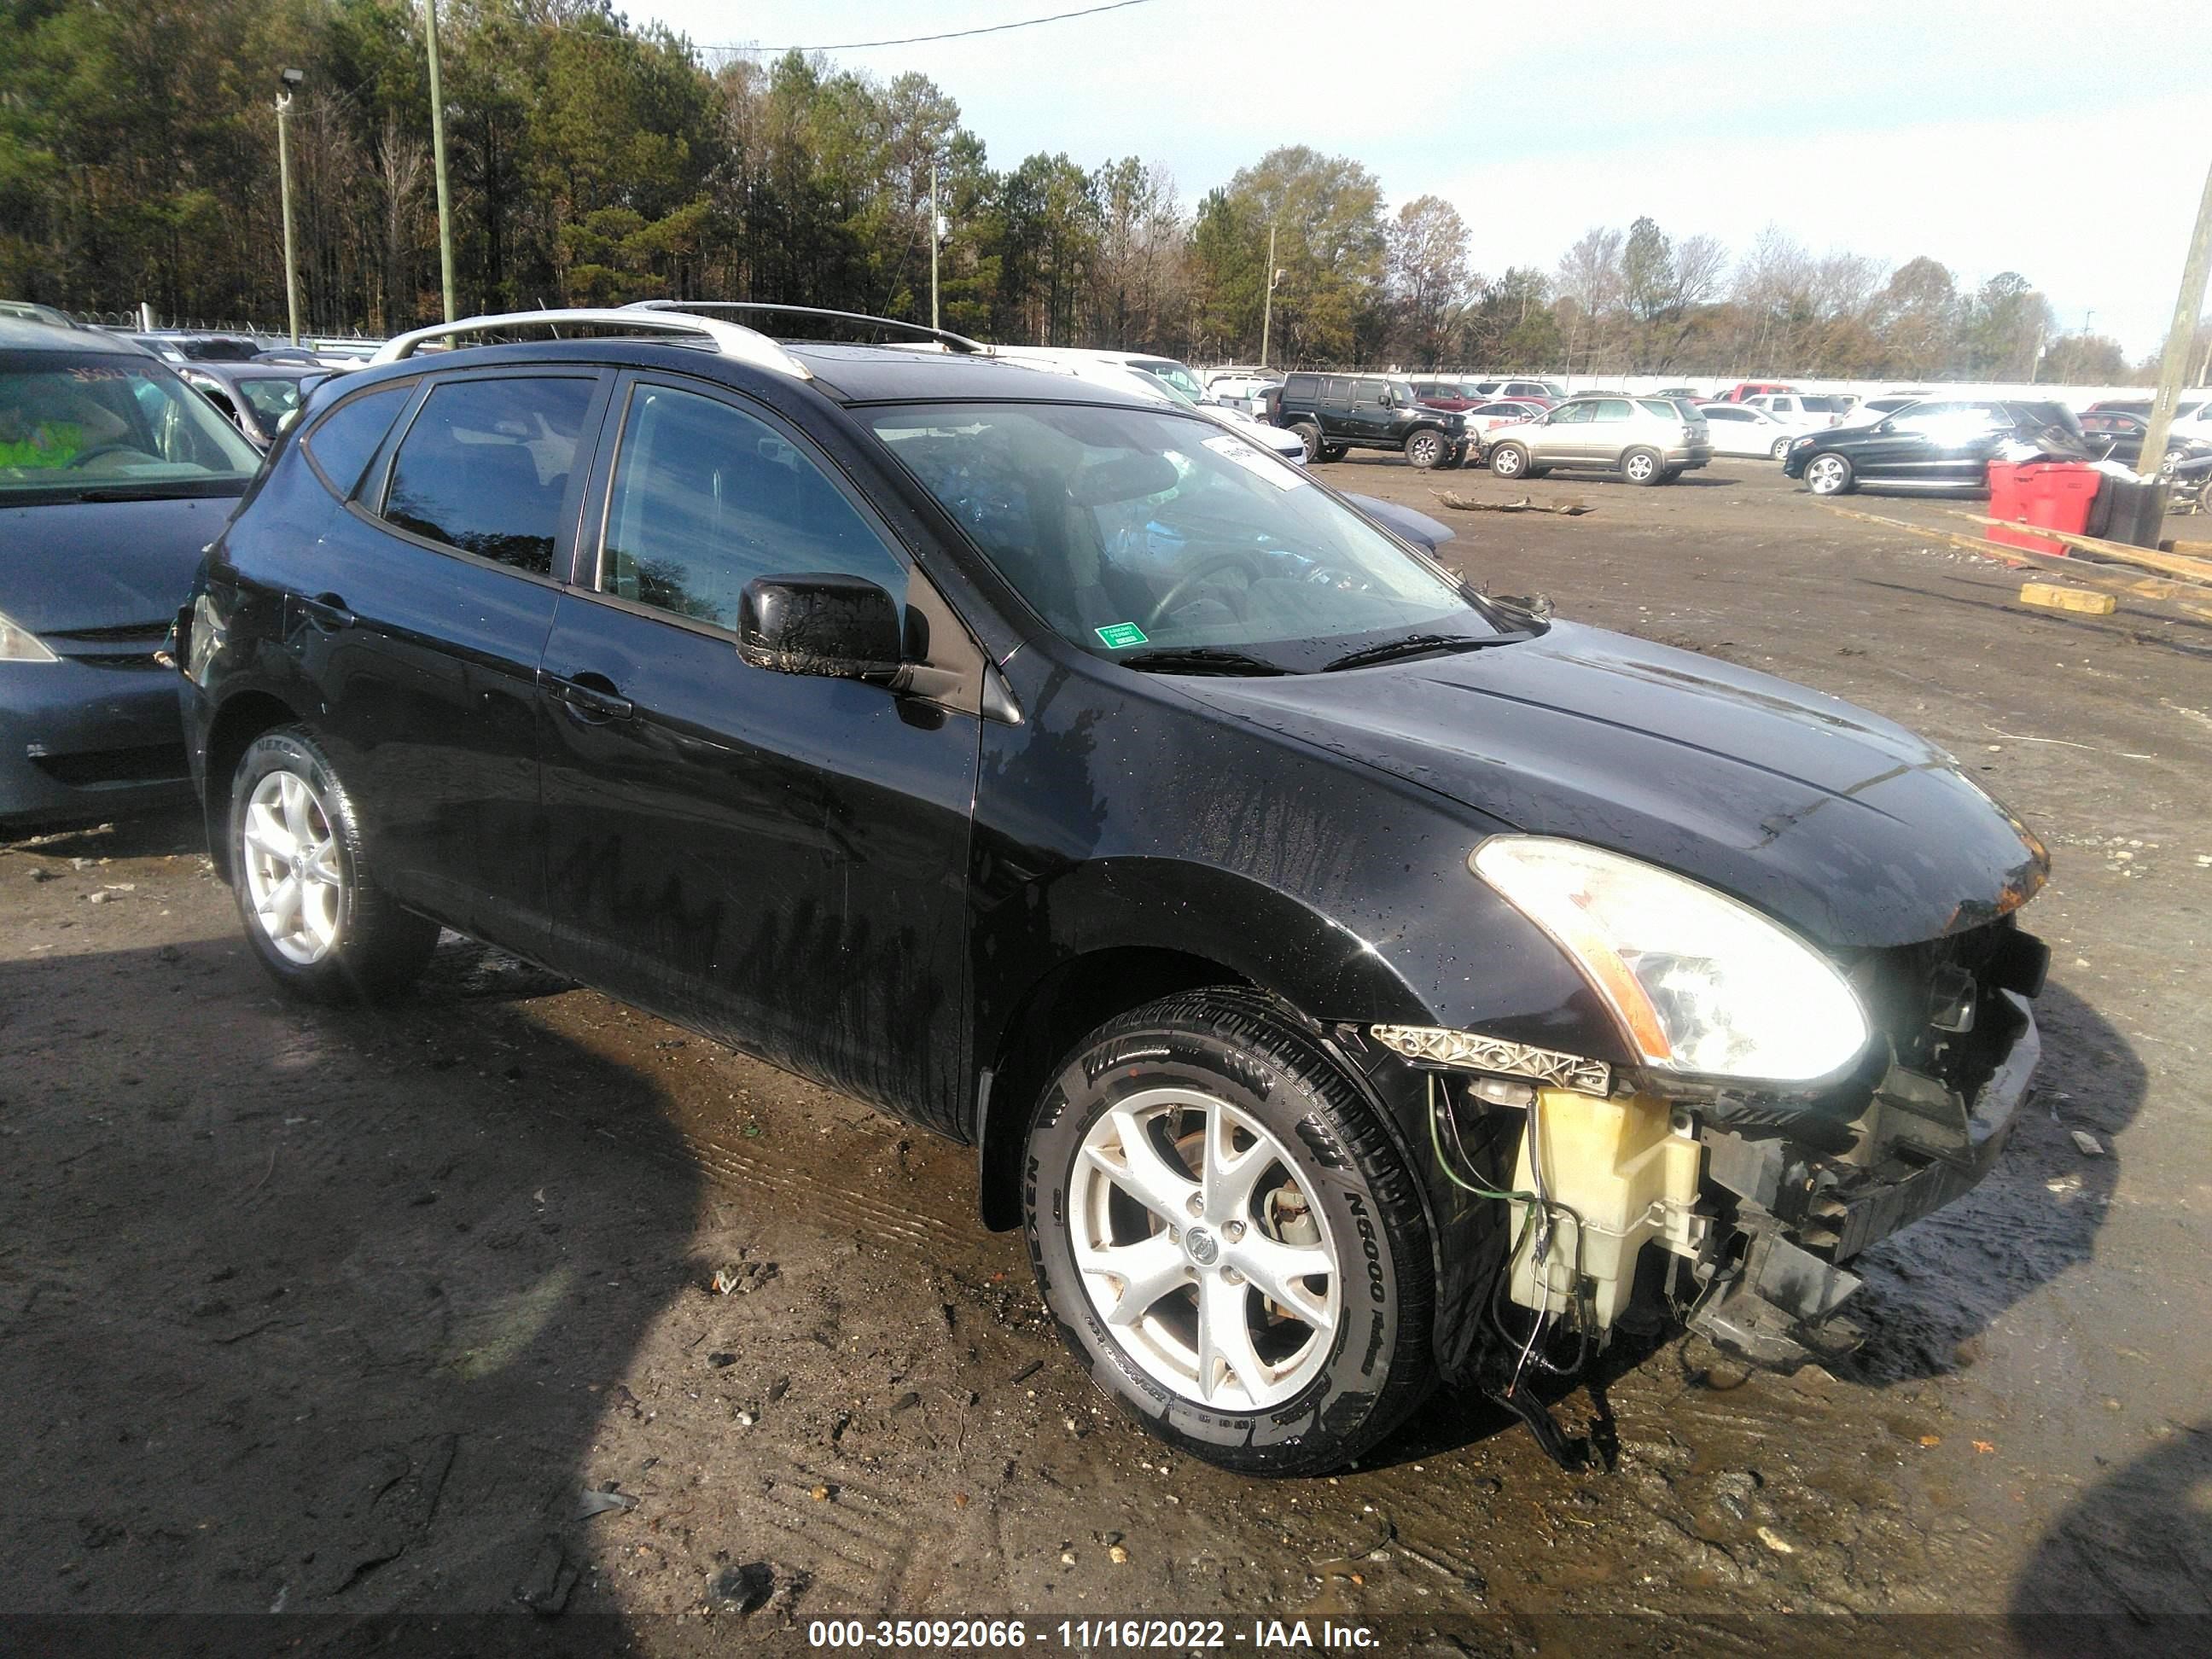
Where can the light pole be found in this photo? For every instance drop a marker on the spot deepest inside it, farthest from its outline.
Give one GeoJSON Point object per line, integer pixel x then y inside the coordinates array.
{"type": "Point", "coordinates": [438, 153]}
{"type": "Point", "coordinates": [1267, 304]}
{"type": "Point", "coordinates": [285, 81]}
{"type": "Point", "coordinates": [936, 236]}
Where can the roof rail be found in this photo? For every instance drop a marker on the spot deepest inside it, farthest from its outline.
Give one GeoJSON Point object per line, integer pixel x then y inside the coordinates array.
{"type": "Point", "coordinates": [945, 336]}
{"type": "Point", "coordinates": [742, 344]}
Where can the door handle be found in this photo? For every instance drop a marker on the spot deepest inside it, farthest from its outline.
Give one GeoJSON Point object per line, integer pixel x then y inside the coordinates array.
{"type": "Point", "coordinates": [328, 611]}
{"type": "Point", "coordinates": [591, 698]}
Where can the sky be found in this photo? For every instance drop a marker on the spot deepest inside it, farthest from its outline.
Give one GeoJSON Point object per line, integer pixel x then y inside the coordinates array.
{"type": "Point", "coordinates": [2066, 141]}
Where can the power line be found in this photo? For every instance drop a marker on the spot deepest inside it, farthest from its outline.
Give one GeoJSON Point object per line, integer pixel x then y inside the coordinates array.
{"type": "Point", "coordinates": [952, 34]}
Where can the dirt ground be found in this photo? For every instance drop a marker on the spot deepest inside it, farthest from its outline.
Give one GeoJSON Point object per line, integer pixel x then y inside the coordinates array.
{"type": "Point", "coordinates": [355, 1312]}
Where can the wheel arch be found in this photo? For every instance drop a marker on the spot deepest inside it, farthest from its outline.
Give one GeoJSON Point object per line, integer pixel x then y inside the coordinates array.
{"type": "Point", "coordinates": [1119, 933]}
{"type": "Point", "coordinates": [1073, 998]}
{"type": "Point", "coordinates": [244, 715]}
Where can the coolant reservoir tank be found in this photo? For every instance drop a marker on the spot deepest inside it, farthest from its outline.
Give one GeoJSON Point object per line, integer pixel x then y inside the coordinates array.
{"type": "Point", "coordinates": [1629, 1178]}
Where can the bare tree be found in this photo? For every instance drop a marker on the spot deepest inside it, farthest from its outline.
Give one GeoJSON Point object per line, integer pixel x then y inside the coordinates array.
{"type": "Point", "coordinates": [1427, 276]}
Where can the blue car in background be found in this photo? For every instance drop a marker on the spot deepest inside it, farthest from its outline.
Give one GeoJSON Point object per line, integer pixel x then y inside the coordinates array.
{"type": "Point", "coordinates": [113, 476]}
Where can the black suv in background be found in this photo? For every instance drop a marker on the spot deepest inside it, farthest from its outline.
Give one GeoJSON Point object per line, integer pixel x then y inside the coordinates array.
{"type": "Point", "coordinates": [1046, 765]}
{"type": "Point", "coordinates": [1337, 412]}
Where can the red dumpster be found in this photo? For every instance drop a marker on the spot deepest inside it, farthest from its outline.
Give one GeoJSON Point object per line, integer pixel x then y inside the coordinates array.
{"type": "Point", "coordinates": [2049, 495]}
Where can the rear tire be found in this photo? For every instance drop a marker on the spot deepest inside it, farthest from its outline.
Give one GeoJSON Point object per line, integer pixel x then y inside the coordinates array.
{"type": "Point", "coordinates": [1643, 466]}
{"type": "Point", "coordinates": [1227, 1238]}
{"type": "Point", "coordinates": [1509, 460]}
{"type": "Point", "coordinates": [1828, 474]}
{"type": "Point", "coordinates": [1310, 435]}
{"type": "Point", "coordinates": [1781, 450]}
{"type": "Point", "coordinates": [304, 884]}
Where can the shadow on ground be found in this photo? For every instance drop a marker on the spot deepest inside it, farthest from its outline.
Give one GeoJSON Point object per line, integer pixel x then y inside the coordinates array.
{"type": "Point", "coordinates": [310, 1310]}
{"type": "Point", "coordinates": [2130, 1562]}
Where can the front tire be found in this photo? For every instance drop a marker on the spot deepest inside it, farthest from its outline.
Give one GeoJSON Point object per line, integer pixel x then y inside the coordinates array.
{"type": "Point", "coordinates": [1227, 1238]}
{"type": "Point", "coordinates": [315, 918]}
{"type": "Point", "coordinates": [1427, 450]}
{"type": "Point", "coordinates": [1829, 475]}
{"type": "Point", "coordinates": [1335, 451]}
{"type": "Point", "coordinates": [1507, 460]}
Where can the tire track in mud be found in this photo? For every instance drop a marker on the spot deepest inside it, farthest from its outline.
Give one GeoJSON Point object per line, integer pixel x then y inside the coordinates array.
{"type": "Point", "coordinates": [795, 1194]}
{"type": "Point", "coordinates": [849, 1539]}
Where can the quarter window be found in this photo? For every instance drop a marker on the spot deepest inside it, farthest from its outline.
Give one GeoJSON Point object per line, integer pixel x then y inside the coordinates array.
{"type": "Point", "coordinates": [485, 465]}
{"type": "Point", "coordinates": [343, 440]}
{"type": "Point", "coordinates": [706, 498]}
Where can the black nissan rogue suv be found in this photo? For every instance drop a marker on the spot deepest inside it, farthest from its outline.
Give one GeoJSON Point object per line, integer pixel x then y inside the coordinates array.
{"type": "Point", "coordinates": [1348, 980]}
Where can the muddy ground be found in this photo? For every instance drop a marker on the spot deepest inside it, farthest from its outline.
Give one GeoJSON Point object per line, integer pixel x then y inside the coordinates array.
{"type": "Point", "coordinates": [349, 1312]}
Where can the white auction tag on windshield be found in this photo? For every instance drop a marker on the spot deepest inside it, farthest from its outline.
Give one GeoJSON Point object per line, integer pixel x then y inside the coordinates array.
{"type": "Point", "coordinates": [1230, 448]}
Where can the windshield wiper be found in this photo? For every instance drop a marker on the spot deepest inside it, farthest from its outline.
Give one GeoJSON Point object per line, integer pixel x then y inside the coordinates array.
{"type": "Point", "coordinates": [1200, 660]}
{"type": "Point", "coordinates": [1416, 645]}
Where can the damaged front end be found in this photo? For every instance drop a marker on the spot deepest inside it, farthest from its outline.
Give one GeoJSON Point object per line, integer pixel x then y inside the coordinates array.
{"type": "Point", "coordinates": [1643, 1200]}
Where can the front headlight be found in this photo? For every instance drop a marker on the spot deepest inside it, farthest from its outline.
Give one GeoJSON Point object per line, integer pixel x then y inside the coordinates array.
{"type": "Point", "coordinates": [1803, 443]}
{"type": "Point", "coordinates": [19, 644]}
{"type": "Point", "coordinates": [1701, 984]}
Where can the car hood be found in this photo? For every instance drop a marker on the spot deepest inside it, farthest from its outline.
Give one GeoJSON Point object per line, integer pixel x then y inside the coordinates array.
{"type": "Point", "coordinates": [103, 564]}
{"type": "Point", "coordinates": [1851, 830]}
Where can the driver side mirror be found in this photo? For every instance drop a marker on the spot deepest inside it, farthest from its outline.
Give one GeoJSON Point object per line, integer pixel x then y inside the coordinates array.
{"type": "Point", "coordinates": [1885, 425]}
{"type": "Point", "coordinates": [839, 627]}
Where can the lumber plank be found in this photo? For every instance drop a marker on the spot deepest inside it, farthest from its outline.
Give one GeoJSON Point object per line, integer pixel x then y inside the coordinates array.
{"type": "Point", "coordinates": [2051, 597]}
{"type": "Point", "coordinates": [2143, 587]}
{"type": "Point", "coordinates": [2173, 564]}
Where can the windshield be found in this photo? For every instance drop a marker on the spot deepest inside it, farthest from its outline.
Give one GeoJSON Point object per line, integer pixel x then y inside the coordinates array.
{"type": "Point", "coordinates": [272, 398]}
{"type": "Point", "coordinates": [1174, 373]}
{"type": "Point", "coordinates": [1133, 532]}
{"type": "Point", "coordinates": [110, 422]}
{"type": "Point", "coordinates": [1160, 385]}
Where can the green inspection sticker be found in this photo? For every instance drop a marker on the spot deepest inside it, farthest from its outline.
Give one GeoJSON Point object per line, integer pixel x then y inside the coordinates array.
{"type": "Point", "coordinates": [1117, 635]}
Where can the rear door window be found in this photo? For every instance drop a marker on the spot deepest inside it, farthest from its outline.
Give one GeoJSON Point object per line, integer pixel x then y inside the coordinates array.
{"type": "Point", "coordinates": [486, 465]}
{"type": "Point", "coordinates": [706, 497]}
{"type": "Point", "coordinates": [341, 442]}
{"type": "Point", "coordinates": [1611, 408]}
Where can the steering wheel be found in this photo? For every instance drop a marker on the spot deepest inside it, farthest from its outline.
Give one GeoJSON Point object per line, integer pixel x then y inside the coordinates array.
{"type": "Point", "coordinates": [98, 450]}
{"type": "Point", "coordinates": [1248, 563]}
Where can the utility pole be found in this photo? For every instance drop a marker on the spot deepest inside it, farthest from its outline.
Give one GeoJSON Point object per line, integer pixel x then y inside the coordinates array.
{"type": "Point", "coordinates": [285, 80]}
{"type": "Point", "coordinates": [438, 152]}
{"type": "Point", "coordinates": [936, 236]}
{"type": "Point", "coordinates": [1267, 305]}
{"type": "Point", "coordinates": [2181, 338]}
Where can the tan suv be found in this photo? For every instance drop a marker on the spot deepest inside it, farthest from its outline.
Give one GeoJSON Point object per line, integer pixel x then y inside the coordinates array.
{"type": "Point", "coordinates": [1648, 440]}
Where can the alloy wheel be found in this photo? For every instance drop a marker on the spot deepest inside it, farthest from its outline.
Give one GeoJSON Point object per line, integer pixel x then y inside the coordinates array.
{"type": "Point", "coordinates": [288, 855]}
{"type": "Point", "coordinates": [1640, 467]}
{"type": "Point", "coordinates": [1826, 475]}
{"type": "Point", "coordinates": [1202, 1251]}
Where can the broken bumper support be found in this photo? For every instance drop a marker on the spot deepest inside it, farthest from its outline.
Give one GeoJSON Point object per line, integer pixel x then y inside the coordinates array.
{"type": "Point", "coordinates": [1780, 1307]}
